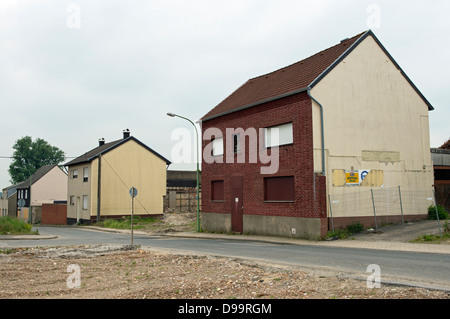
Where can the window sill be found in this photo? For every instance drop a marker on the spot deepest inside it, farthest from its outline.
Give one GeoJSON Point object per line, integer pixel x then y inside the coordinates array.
{"type": "Point", "coordinates": [217, 201]}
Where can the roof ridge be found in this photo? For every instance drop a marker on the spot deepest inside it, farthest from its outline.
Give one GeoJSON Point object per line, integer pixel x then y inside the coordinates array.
{"type": "Point", "coordinates": [37, 175]}
{"type": "Point", "coordinates": [322, 52]}
{"type": "Point", "coordinates": [102, 149]}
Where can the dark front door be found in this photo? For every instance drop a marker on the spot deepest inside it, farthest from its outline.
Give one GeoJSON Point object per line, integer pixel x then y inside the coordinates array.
{"type": "Point", "coordinates": [237, 204]}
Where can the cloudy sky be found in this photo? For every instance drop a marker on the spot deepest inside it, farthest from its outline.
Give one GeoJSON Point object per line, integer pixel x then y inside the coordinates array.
{"type": "Point", "coordinates": [74, 71]}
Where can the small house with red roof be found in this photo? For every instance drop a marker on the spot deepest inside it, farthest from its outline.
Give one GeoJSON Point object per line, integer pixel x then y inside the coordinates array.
{"type": "Point", "coordinates": [343, 121]}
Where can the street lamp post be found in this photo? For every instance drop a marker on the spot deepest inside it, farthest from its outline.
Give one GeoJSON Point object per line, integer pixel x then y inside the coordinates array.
{"type": "Point", "coordinates": [29, 192]}
{"type": "Point", "coordinates": [198, 193]}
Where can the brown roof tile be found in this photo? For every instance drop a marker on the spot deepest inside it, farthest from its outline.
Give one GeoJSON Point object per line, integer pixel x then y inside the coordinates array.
{"type": "Point", "coordinates": [288, 79]}
{"type": "Point", "coordinates": [296, 77]}
{"type": "Point", "coordinates": [102, 149]}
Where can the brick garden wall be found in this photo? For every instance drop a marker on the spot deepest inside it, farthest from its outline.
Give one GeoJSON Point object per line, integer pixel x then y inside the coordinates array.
{"type": "Point", "coordinates": [54, 214]}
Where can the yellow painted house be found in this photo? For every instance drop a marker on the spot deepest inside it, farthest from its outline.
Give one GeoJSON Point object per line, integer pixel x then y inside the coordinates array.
{"type": "Point", "coordinates": [100, 180]}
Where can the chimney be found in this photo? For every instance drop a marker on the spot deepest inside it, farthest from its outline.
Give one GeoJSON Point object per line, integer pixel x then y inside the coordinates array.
{"type": "Point", "coordinates": [126, 133]}
{"type": "Point", "coordinates": [101, 141]}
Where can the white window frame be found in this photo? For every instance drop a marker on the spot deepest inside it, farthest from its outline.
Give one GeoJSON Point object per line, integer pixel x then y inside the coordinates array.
{"type": "Point", "coordinates": [75, 173]}
{"type": "Point", "coordinates": [85, 174]}
{"type": "Point", "coordinates": [217, 146]}
{"type": "Point", "coordinates": [279, 135]}
{"type": "Point", "coordinates": [85, 202]}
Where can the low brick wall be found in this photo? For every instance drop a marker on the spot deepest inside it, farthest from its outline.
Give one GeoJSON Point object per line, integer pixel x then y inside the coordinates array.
{"type": "Point", "coordinates": [54, 214]}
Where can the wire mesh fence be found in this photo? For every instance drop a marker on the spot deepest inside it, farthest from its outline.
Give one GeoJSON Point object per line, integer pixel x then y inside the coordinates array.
{"type": "Point", "coordinates": [381, 202]}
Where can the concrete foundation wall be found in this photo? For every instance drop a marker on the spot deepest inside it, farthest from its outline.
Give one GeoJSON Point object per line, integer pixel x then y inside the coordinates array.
{"type": "Point", "coordinates": [280, 226]}
{"type": "Point", "coordinates": [213, 222]}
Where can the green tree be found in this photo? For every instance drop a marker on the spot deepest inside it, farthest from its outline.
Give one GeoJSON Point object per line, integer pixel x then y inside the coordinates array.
{"type": "Point", "coordinates": [30, 155]}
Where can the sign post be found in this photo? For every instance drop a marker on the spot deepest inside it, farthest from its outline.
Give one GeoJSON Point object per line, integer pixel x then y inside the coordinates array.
{"type": "Point", "coordinates": [133, 193]}
{"type": "Point", "coordinates": [21, 204]}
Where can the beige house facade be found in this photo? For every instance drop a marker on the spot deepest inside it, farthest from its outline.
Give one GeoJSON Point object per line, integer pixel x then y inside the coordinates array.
{"type": "Point", "coordinates": [99, 181]}
{"type": "Point", "coordinates": [375, 136]}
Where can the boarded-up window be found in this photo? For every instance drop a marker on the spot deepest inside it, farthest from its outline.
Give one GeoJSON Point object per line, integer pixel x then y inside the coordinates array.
{"type": "Point", "coordinates": [279, 189]}
{"type": "Point", "coordinates": [217, 190]}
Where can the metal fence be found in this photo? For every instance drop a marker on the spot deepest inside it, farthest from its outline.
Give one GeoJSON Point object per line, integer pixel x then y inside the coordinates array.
{"type": "Point", "coordinates": [380, 202]}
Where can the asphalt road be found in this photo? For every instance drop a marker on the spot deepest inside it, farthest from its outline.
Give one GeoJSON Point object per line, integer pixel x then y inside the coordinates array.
{"type": "Point", "coordinates": [413, 268]}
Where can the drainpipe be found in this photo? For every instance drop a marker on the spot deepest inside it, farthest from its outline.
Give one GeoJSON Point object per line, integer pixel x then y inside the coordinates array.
{"type": "Point", "coordinates": [321, 129]}
{"type": "Point", "coordinates": [99, 186]}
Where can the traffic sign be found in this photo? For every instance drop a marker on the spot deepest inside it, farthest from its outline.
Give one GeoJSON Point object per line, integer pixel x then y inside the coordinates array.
{"type": "Point", "coordinates": [133, 192]}
{"type": "Point", "coordinates": [21, 203]}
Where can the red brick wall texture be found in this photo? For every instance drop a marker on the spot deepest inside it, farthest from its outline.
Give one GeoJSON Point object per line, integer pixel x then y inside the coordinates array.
{"type": "Point", "coordinates": [294, 160]}
{"type": "Point", "coordinates": [54, 214]}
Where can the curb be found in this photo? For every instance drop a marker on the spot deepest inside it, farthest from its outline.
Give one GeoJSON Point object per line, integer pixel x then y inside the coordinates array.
{"type": "Point", "coordinates": [357, 244]}
{"type": "Point", "coordinates": [26, 237]}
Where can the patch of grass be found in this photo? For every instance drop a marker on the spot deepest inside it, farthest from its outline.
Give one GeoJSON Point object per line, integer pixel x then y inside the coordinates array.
{"type": "Point", "coordinates": [432, 239]}
{"type": "Point", "coordinates": [14, 226]}
{"type": "Point", "coordinates": [435, 239]}
{"type": "Point", "coordinates": [345, 233]}
{"type": "Point", "coordinates": [125, 223]}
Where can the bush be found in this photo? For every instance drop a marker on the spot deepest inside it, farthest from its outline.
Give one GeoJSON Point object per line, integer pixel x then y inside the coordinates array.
{"type": "Point", "coordinates": [14, 226]}
{"type": "Point", "coordinates": [355, 228]}
{"type": "Point", "coordinates": [443, 214]}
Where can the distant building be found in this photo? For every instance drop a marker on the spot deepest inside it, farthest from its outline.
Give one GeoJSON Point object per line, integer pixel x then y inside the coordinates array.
{"type": "Point", "coordinates": [9, 201]}
{"type": "Point", "coordinates": [48, 184]}
{"type": "Point", "coordinates": [441, 164]}
{"type": "Point", "coordinates": [181, 193]}
{"type": "Point", "coordinates": [99, 181]}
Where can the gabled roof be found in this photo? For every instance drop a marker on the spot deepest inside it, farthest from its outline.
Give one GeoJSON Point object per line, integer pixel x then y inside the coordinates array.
{"type": "Point", "coordinates": [446, 145]}
{"type": "Point", "coordinates": [36, 176]}
{"type": "Point", "coordinates": [295, 78]}
{"type": "Point", "coordinates": [105, 148]}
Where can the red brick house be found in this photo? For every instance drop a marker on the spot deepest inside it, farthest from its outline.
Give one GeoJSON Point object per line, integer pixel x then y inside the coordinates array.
{"type": "Point", "coordinates": [308, 102]}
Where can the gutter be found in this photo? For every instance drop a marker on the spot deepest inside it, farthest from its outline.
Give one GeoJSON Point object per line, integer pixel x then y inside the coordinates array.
{"type": "Point", "coordinates": [321, 130]}
{"type": "Point", "coordinates": [255, 104]}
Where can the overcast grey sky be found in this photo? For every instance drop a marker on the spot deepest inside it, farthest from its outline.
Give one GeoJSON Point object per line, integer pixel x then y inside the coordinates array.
{"type": "Point", "coordinates": [74, 71]}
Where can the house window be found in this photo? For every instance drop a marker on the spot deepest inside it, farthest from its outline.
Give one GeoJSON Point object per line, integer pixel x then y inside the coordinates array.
{"type": "Point", "coordinates": [279, 189]}
{"type": "Point", "coordinates": [85, 202]}
{"type": "Point", "coordinates": [85, 174]}
{"type": "Point", "coordinates": [236, 143]}
{"type": "Point", "coordinates": [217, 190]}
{"type": "Point", "coordinates": [75, 173]}
{"type": "Point", "coordinates": [278, 135]}
{"type": "Point", "coordinates": [72, 201]}
{"type": "Point", "coordinates": [217, 146]}
{"type": "Point", "coordinates": [26, 193]}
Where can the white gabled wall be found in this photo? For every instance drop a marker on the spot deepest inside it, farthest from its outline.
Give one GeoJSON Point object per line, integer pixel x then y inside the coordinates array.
{"type": "Point", "coordinates": [370, 106]}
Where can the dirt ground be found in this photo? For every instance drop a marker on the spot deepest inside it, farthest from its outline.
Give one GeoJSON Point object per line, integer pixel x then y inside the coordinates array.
{"type": "Point", "coordinates": [117, 272]}
{"type": "Point", "coordinates": [124, 272]}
